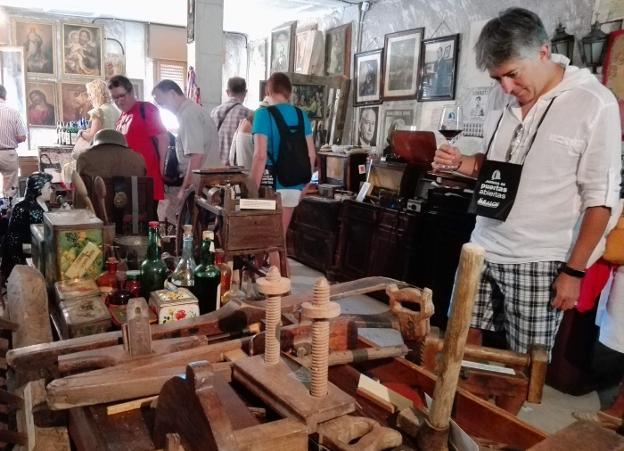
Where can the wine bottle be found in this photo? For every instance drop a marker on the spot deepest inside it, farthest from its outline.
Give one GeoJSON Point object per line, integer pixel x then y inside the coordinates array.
{"type": "Point", "coordinates": [153, 269]}
{"type": "Point", "coordinates": [207, 277]}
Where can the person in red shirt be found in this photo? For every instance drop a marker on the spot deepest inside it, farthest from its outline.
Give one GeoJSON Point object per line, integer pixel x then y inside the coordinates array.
{"type": "Point", "coordinates": [144, 131]}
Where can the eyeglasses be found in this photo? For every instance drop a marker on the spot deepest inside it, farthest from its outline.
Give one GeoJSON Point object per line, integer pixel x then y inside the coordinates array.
{"type": "Point", "coordinates": [120, 96]}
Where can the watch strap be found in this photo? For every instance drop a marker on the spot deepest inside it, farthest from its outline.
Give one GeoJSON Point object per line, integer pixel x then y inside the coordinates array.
{"type": "Point", "coordinates": [572, 272]}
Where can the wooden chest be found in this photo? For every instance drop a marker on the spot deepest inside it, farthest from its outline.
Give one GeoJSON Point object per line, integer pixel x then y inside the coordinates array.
{"type": "Point", "coordinates": [83, 316]}
{"type": "Point", "coordinates": [129, 202]}
{"type": "Point", "coordinates": [73, 245]}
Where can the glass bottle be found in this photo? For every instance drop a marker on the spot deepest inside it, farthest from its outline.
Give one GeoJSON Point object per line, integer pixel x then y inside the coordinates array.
{"type": "Point", "coordinates": [109, 278]}
{"type": "Point", "coordinates": [235, 293]}
{"type": "Point", "coordinates": [249, 286]}
{"type": "Point", "coordinates": [153, 269]}
{"type": "Point", "coordinates": [226, 273]}
{"type": "Point", "coordinates": [207, 276]}
{"type": "Point", "coordinates": [133, 283]}
{"type": "Point", "coordinates": [183, 274]}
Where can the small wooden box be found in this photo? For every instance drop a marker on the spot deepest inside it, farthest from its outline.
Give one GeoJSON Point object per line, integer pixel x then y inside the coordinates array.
{"type": "Point", "coordinates": [83, 316]}
{"type": "Point", "coordinates": [172, 305]}
{"type": "Point", "coordinates": [73, 245]}
{"type": "Point", "coordinates": [68, 290]}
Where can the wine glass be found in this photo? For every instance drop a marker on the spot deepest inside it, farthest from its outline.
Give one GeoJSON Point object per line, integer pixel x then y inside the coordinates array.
{"type": "Point", "coordinates": [451, 124]}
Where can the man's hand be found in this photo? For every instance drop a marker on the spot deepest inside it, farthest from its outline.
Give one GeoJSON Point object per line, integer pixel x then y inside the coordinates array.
{"type": "Point", "coordinates": [567, 290]}
{"type": "Point", "coordinates": [447, 158]}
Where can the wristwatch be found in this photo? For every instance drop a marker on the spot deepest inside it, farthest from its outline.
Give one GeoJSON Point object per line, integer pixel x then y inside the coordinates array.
{"type": "Point", "coordinates": [572, 272]}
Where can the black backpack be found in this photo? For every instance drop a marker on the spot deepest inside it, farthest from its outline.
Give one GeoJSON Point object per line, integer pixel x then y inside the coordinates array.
{"type": "Point", "coordinates": [171, 177]}
{"type": "Point", "coordinates": [293, 162]}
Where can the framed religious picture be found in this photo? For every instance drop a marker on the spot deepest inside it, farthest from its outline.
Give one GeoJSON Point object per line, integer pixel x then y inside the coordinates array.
{"type": "Point", "coordinates": [190, 21]}
{"type": "Point", "coordinates": [338, 51]}
{"type": "Point", "coordinates": [114, 59]}
{"type": "Point", "coordinates": [401, 62]}
{"type": "Point", "coordinates": [310, 98]}
{"type": "Point", "coordinates": [137, 88]}
{"type": "Point", "coordinates": [39, 41]}
{"type": "Point", "coordinates": [366, 132]}
{"type": "Point", "coordinates": [74, 102]}
{"type": "Point", "coordinates": [392, 119]}
{"type": "Point", "coordinates": [41, 103]}
{"type": "Point", "coordinates": [283, 48]}
{"type": "Point", "coordinates": [82, 50]}
{"type": "Point", "coordinates": [368, 77]}
{"type": "Point", "coordinates": [439, 68]}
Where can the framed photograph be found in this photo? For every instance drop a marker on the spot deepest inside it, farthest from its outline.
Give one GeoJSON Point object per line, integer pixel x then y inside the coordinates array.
{"type": "Point", "coordinates": [190, 21]}
{"type": "Point", "coordinates": [338, 51]}
{"type": "Point", "coordinates": [13, 78]}
{"type": "Point", "coordinates": [41, 103]}
{"type": "Point", "coordinates": [283, 48]}
{"type": "Point", "coordinates": [310, 98]}
{"type": "Point", "coordinates": [39, 41]}
{"type": "Point", "coordinates": [474, 111]}
{"type": "Point", "coordinates": [393, 119]}
{"type": "Point", "coordinates": [366, 133]}
{"type": "Point", "coordinates": [401, 62]}
{"type": "Point", "coordinates": [82, 50]}
{"type": "Point", "coordinates": [439, 67]}
{"type": "Point", "coordinates": [74, 102]}
{"type": "Point", "coordinates": [368, 77]}
{"type": "Point", "coordinates": [137, 87]}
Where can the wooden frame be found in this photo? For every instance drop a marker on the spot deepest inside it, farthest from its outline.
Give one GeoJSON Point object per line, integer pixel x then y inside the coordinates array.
{"type": "Point", "coordinates": [338, 51]}
{"type": "Point", "coordinates": [43, 60]}
{"type": "Point", "coordinates": [82, 59]}
{"type": "Point", "coordinates": [283, 59]}
{"type": "Point", "coordinates": [393, 118]}
{"type": "Point", "coordinates": [46, 114]}
{"type": "Point", "coordinates": [301, 98]}
{"type": "Point", "coordinates": [613, 70]}
{"type": "Point", "coordinates": [438, 70]}
{"type": "Point", "coordinates": [361, 138]}
{"type": "Point", "coordinates": [402, 59]}
{"type": "Point", "coordinates": [73, 100]}
{"type": "Point", "coordinates": [368, 75]}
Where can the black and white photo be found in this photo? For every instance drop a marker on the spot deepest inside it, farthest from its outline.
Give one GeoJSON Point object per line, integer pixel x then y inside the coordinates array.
{"type": "Point", "coordinates": [393, 119]}
{"type": "Point", "coordinates": [338, 50]}
{"type": "Point", "coordinates": [438, 74]}
{"type": "Point", "coordinates": [474, 108]}
{"type": "Point", "coordinates": [368, 77]}
{"type": "Point", "coordinates": [367, 126]}
{"type": "Point", "coordinates": [283, 48]}
{"type": "Point", "coordinates": [401, 63]}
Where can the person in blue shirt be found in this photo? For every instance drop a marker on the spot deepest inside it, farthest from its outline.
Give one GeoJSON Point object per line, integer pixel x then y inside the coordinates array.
{"type": "Point", "coordinates": [267, 140]}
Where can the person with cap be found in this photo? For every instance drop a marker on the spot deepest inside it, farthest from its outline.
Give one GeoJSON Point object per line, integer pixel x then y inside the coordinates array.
{"type": "Point", "coordinates": [110, 156]}
{"type": "Point", "coordinates": [28, 211]}
{"type": "Point", "coordinates": [229, 114]}
{"type": "Point", "coordinates": [12, 132]}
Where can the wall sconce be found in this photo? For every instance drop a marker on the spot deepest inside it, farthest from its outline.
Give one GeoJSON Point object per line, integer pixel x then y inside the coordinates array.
{"type": "Point", "coordinates": [562, 42]}
{"type": "Point", "coordinates": [594, 46]}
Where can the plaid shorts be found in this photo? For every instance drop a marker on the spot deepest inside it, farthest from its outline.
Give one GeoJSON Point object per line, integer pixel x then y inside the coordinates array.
{"type": "Point", "coordinates": [517, 298]}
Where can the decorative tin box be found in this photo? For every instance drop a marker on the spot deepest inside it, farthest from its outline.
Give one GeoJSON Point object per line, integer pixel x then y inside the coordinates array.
{"type": "Point", "coordinates": [172, 305]}
{"type": "Point", "coordinates": [68, 290]}
{"type": "Point", "coordinates": [73, 245]}
{"type": "Point", "coordinates": [84, 316]}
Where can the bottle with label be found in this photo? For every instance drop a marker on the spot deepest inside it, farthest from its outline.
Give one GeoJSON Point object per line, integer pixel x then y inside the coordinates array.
{"type": "Point", "coordinates": [226, 274]}
{"type": "Point", "coordinates": [183, 274]}
{"type": "Point", "coordinates": [109, 278]}
{"type": "Point", "coordinates": [235, 293]}
{"type": "Point", "coordinates": [153, 269]}
{"type": "Point", "coordinates": [207, 276]}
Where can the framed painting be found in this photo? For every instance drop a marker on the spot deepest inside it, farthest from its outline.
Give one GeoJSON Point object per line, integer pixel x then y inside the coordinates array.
{"type": "Point", "coordinates": [368, 77]}
{"type": "Point", "coordinates": [338, 51]}
{"type": "Point", "coordinates": [310, 98]}
{"type": "Point", "coordinates": [82, 50]}
{"type": "Point", "coordinates": [13, 78]}
{"type": "Point", "coordinates": [137, 88]}
{"type": "Point", "coordinates": [613, 69]}
{"type": "Point", "coordinates": [190, 21]}
{"type": "Point", "coordinates": [366, 133]}
{"type": "Point", "coordinates": [38, 38]}
{"type": "Point", "coordinates": [41, 103]}
{"type": "Point", "coordinates": [392, 119]}
{"type": "Point", "coordinates": [402, 54]}
{"type": "Point", "coordinates": [74, 102]}
{"type": "Point", "coordinates": [439, 68]}
{"type": "Point", "coordinates": [283, 48]}
{"type": "Point", "coordinates": [309, 51]}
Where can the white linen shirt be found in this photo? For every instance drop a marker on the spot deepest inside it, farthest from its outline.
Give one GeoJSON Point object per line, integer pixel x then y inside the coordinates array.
{"type": "Point", "coordinates": [197, 134]}
{"type": "Point", "coordinates": [574, 164]}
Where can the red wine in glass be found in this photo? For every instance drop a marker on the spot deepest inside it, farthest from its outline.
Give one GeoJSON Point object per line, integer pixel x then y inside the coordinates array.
{"type": "Point", "coordinates": [449, 134]}
{"type": "Point", "coordinates": [451, 125]}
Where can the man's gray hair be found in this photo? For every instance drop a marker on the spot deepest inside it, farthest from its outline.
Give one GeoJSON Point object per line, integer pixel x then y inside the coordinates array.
{"type": "Point", "coordinates": [515, 33]}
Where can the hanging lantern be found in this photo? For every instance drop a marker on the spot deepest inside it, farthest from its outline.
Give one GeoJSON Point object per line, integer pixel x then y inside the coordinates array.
{"type": "Point", "coordinates": [562, 42]}
{"type": "Point", "coordinates": [594, 46]}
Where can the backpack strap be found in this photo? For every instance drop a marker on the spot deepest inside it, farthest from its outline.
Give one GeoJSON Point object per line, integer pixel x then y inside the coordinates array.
{"type": "Point", "coordinates": [225, 115]}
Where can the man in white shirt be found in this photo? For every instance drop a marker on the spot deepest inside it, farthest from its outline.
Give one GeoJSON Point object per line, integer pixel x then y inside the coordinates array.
{"type": "Point", "coordinates": [12, 132]}
{"type": "Point", "coordinates": [548, 182]}
{"type": "Point", "coordinates": [197, 142]}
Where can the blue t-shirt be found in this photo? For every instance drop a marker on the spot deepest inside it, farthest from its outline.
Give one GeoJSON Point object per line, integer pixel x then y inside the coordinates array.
{"type": "Point", "coordinates": [264, 124]}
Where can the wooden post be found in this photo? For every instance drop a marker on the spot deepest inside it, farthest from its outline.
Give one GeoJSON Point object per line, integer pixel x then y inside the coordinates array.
{"type": "Point", "coordinates": [434, 435]}
{"type": "Point", "coordinates": [539, 364]}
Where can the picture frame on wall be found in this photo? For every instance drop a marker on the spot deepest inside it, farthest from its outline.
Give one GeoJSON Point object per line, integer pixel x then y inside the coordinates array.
{"type": "Point", "coordinates": [74, 102]}
{"type": "Point", "coordinates": [283, 48]}
{"type": "Point", "coordinates": [41, 104]}
{"type": "Point", "coordinates": [402, 57]}
{"type": "Point", "coordinates": [190, 21]}
{"type": "Point", "coordinates": [367, 119]}
{"type": "Point", "coordinates": [368, 77]}
{"type": "Point", "coordinates": [338, 50]}
{"type": "Point", "coordinates": [38, 38]}
{"type": "Point", "coordinates": [439, 68]}
{"type": "Point", "coordinates": [311, 99]}
{"type": "Point", "coordinates": [13, 77]}
{"type": "Point", "coordinates": [393, 118]}
{"type": "Point", "coordinates": [82, 54]}
{"type": "Point", "coordinates": [137, 88]}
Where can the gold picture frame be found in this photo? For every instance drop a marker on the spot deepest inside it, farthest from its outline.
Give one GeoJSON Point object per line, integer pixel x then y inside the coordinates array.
{"type": "Point", "coordinates": [38, 38]}
{"type": "Point", "coordinates": [73, 100]}
{"type": "Point", "coordinates": [41, 103]}
{"type": "Point", "coordinates": [82, 50]}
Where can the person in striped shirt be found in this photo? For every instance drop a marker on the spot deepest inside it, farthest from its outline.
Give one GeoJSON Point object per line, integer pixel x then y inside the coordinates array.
{"type": "Point", "coordinates": [12, 132]}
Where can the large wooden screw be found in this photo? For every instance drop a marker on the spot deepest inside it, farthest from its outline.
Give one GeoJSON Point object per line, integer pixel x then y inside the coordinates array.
{"type": "Point", "coordinates": [273, 286]}
{"type": "Point", "coordinates": [320, 311]}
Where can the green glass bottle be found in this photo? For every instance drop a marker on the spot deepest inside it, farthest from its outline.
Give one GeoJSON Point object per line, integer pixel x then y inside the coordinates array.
{"type": "Point", "coordinates": [153, 269]}
{"type": "Point", "coordinates": [207, 276]}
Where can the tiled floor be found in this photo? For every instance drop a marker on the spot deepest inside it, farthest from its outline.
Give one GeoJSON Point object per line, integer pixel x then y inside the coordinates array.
{"type": "Point", "coordinates": [552, 414]}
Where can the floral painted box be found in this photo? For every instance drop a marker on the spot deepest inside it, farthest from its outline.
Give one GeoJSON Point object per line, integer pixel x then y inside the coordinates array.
{"type": "Point", "coordinates": [84, 316]}
{"type": "Point", "coordinates": [174, 305]}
